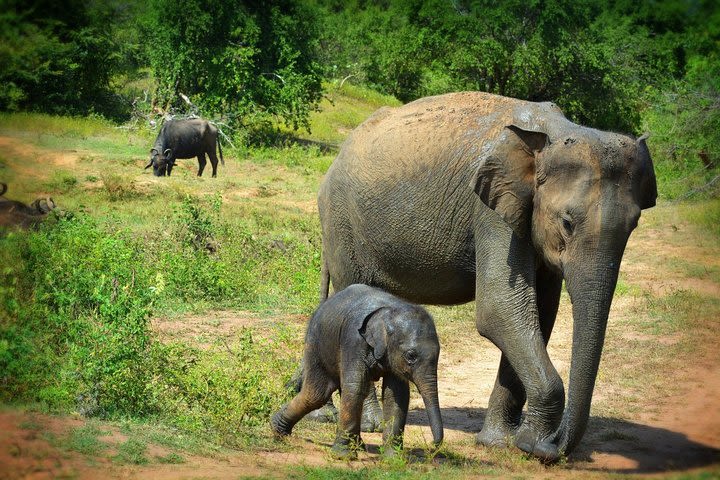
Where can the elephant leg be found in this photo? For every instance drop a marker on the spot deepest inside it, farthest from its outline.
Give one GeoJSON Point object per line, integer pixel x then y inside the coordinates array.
{"type": "Point", "coordinates": [508, 396]}
{"type": "Point", "coordinates": [202, 161]}
{"type": "Point", "coordinates": [347, 440]}
{"type": "Point", "coordinates": [372, 415]}
{"type": "Point", "coordinates": [504, 408]}
{"type": "Point", "coordinates": [326, 413]}
{"type": "Point", "coordinates": [213, 162]}
{"type": "Point", "coordinates": [508, 315]}
{"type": "Point", "coordinates": [316, 390]}
{"type": "Point", "coordinates": [396, 399]}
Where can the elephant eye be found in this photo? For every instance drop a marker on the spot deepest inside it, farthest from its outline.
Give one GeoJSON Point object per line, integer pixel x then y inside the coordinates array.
{"type": "Point", "coordinates": [567, 224]}
{"type": "Point", "coordinates": [411, 356]}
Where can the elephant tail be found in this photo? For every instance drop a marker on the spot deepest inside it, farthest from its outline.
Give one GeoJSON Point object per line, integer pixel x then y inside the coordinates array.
{"type": "Point", "coordinates": [324, 280]}
{"type": "Point", "coordinates": [222, 160]}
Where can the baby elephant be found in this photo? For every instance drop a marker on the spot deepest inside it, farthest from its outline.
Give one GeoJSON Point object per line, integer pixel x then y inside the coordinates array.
{"type": "Point", "coordinates": [355, 337]}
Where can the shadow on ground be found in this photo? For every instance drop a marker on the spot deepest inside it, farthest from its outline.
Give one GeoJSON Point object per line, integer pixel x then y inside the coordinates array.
{"type": "Point", "coordinates": [647, 449]}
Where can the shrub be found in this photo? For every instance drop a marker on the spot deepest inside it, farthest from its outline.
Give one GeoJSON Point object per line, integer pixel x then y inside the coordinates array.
{"type": "Point", "coordinates": [229, 390]}
{"type": "Point", "coordinates": [74, 319]}
{"type": "Point", "coordinates": [76, 300]}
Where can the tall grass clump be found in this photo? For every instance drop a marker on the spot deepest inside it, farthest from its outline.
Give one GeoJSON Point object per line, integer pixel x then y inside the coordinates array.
{"type": "Point", "coordinates": [189, 268]}
{"type": "Point", "coordinates": [228, 390]}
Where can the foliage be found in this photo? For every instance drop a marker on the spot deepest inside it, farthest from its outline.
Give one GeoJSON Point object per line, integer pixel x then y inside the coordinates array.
{"type": "Point", "coordinates": [236, 58]}
{"type": "Point", "coordinates": [74, 319]}
{"type": "Point", "coordinates": [612, 64]}
{"type": "Point", "coordinates": [575, 53]}
{"type": "Point", "coordinates": [229, 390]}
{"type": "Point", "coordinates": [61, 57]}
{"type": "Point", "coordinates": [75, 304]}
{"type": "Point", "coordinates": [685, 120]}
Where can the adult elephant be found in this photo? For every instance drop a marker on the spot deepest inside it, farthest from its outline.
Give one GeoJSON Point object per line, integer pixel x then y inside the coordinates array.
{"type": "Point", "coordinates": [475, 196]}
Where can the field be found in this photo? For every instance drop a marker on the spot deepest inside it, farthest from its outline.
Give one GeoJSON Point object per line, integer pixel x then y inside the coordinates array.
{"type": "Point", "coordinates": [220, 275]}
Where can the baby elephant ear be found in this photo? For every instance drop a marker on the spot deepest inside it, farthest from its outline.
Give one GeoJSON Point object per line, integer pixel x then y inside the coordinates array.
{"type": "Point", "coordinates": [375, 332]}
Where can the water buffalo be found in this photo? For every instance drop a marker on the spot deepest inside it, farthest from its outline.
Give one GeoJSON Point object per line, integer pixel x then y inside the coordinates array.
{"type": "Point", "coordinates": [14, 214]}
{"type": "Point", "coordinates": [185, 139]}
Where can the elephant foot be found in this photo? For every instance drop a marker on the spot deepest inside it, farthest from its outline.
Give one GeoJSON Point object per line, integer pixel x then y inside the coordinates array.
{"type": "Point", "coordinates": [529, 442]}
{"type": "Point", "coordinates": [279, 426]}
{"type": "Point", "coordinates": [325, 414]}
{"type": "Point", "coordinates": [494, 437]}
{"type": "Point", "coordinates": [346, 451]}
{"type": "Point", "coordinates": [371, 423]}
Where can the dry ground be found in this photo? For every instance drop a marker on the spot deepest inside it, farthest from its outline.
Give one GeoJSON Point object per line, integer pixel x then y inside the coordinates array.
{"type": "Point", "coordinates": [656, 409]}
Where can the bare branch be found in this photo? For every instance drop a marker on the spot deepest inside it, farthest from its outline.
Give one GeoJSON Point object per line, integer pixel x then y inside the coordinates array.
{"type": "Point", "coordinates": [346, 78]}
{"type": "Point", "coordinates": [702, 189]}
{"type": "Point", "coordinates": [275, 75]}
{"type": "Point", "coordinates": [227, 139]}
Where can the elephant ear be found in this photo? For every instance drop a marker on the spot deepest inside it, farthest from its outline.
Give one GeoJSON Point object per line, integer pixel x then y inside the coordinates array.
{"type": "Point", "coordinates": [505, 178]}
{"type": "Point", "coordinates": [374, 330]}
{"type": "Point", "coordinates": [648, 184]}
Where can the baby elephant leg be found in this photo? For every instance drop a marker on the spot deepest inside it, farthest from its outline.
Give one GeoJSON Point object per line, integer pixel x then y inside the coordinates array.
{"type": "Point", "coordinates": [347, 440]}
{"type": "Point", "coordinates": [325, 414]}
{"type": "Point", "coordinates": [314, 393]}
{"type": "Point", "coordinates": [396, 398]}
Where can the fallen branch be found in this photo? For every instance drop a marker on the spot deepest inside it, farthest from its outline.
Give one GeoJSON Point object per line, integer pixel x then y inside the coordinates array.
{"type": "Point", "coordinates": [702, 189]}
{"type": "Point", "coordinates": [227, 139]}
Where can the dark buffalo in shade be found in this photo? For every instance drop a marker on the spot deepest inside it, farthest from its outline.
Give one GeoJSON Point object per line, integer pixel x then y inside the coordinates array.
{"type": "Point", "coordinates": [185, 139]}
{"type": "Point", "coordinates": [14, 214]}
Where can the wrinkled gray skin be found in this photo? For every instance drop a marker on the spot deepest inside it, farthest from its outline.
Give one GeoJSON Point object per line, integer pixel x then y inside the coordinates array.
{"type": "Point", "coordinates": [356, 337]}
{"type": "Point", "coordinates": [14, 214]}
{"type": "Point", "coordinates": [474, 196]}
{"type": "Point", "coordinates": [185, 139]}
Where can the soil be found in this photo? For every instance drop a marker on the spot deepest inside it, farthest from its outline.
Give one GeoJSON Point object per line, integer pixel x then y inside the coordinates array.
{"type": "Point", "coordinates": [675, 430]}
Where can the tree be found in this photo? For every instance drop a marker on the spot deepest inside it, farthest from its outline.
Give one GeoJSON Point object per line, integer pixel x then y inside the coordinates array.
{"type": "Point", "coordinates": [684, 114]}
{"type": "Point", "coordinates": [236, 58]}
{"type": "Point", "coordinates": [58, 57]}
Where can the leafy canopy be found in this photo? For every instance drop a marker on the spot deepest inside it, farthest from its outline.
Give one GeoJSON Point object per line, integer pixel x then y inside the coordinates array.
{"type": "Point", "coordinates": [239, 58]}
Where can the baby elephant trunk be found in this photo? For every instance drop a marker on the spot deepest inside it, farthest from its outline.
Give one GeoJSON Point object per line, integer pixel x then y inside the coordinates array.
{"type": "Point", "coordinates": [429, 393]}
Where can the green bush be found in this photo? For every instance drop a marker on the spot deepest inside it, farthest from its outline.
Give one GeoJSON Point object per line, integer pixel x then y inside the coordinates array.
{"type": "Point", "coordinates": [74, 323]}
{"type": "Point", "coordinates": [75, 304]}
{"type": "Point", "coordinates": [257, 262]}
{"type": "Point", "coordinates": [229, 390]}
{"type": "Point", "coordinates": [237, 59]}
{"type": "Point", "coordinates": [62, 56]}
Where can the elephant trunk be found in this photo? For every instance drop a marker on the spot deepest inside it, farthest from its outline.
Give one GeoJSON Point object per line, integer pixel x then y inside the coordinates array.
{"type": "Point", "coordinates": [591, 292]}
{"type": "Point", "coordinates": [429, 393]}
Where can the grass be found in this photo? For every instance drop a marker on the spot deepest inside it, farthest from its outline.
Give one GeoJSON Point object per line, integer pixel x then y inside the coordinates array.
{"type": "Point", "coordinates": [39, 124]}
{"type": "Point", "coordinates": [85, 440]}
{"type": "Point", "coordinates": [706, 214]}
{"type": "Point", "coordinates": [341, 110]}
{"type": "Point", "coordinates": [170, 459]}
{"type": "Point", "coordinates": [132, 452]}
